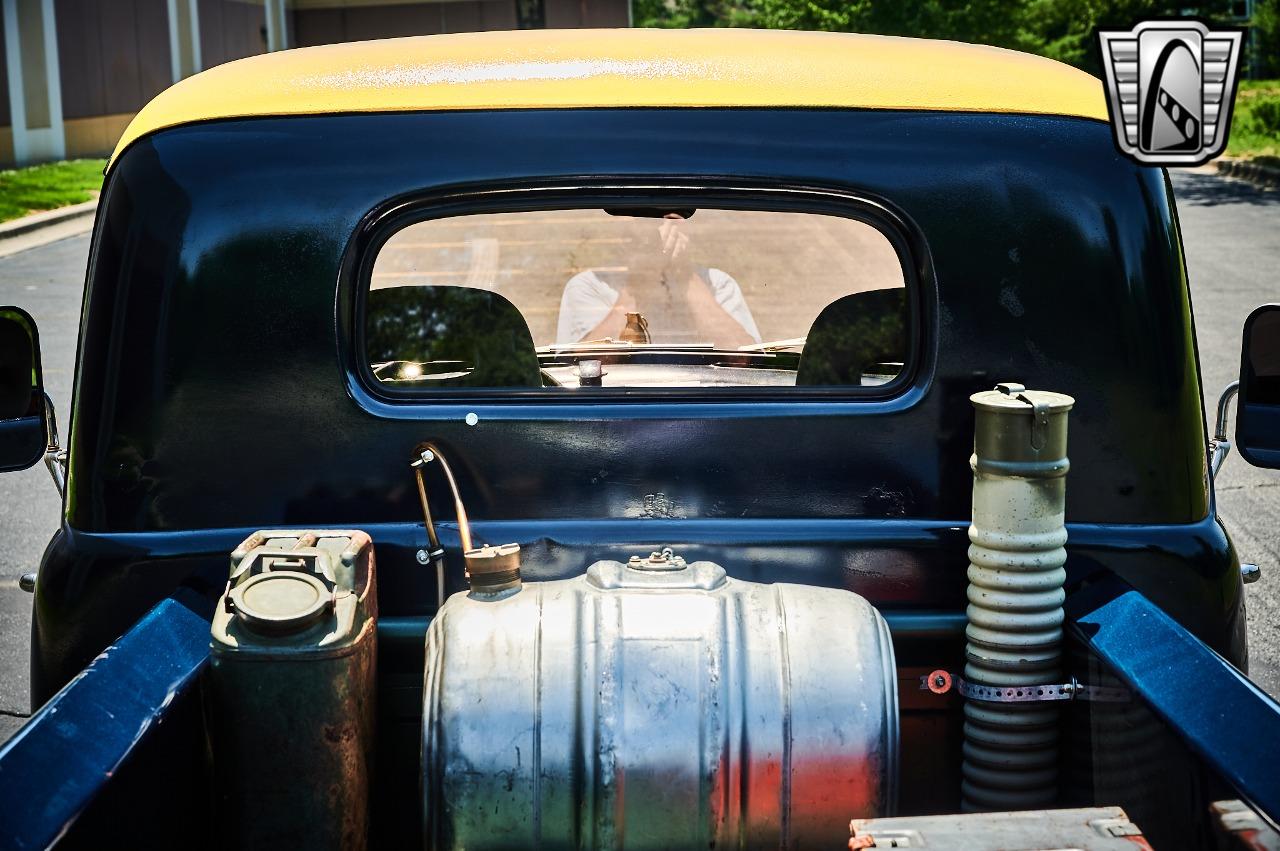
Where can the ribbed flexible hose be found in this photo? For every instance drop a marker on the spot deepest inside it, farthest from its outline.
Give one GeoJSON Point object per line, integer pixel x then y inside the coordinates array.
{"type": "Point", "coordinates": [1016, 574]}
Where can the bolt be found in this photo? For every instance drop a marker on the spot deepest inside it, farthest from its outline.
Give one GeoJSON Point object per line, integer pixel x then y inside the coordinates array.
{"type": "Point", "coordinates": [423, 557]}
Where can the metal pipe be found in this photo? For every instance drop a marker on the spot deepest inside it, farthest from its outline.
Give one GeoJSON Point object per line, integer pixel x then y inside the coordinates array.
{"type": "Point", "coordinates": [428, 454]}
{"type": "Point", "coordinates": [1220, 446]}
{"type": "Point", "coordinates": [1014, 631]}
{"type": "Point", "coordinates": [55, 457]}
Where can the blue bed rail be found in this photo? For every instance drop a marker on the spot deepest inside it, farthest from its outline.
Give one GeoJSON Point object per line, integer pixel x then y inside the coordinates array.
{"type": "Point", "coordinates": [1223, 717]}
{"type": "Point", "coordinates": [62, 760]}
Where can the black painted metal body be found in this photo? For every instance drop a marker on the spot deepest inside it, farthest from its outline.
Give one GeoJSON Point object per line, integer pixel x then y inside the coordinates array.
{"type": "Point", "coordinates": [219, 390]}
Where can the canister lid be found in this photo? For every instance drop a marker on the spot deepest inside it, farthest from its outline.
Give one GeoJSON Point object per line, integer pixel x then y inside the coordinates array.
{"type": "Point", "coordinates": [1012, 398]}
{"type": "Point", "coordinates": [281, 602]}
{"type": "Point", "coordinates": [493, 568]}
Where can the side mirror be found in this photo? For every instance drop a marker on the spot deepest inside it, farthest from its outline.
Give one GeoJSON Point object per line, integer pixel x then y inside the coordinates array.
{"type": "Point", "coordinates": [23, 417]}
{"type": "Point", "coordinates": [1258, 411]}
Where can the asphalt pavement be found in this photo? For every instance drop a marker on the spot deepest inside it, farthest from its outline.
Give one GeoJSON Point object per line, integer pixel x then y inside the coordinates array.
{"type": "Point", "coordinates": [47, 282]}
{"type": "Point", "coordinates": [1231, 233]}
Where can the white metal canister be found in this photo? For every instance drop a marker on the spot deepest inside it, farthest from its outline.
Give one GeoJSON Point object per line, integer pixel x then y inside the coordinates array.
{"type": "Point", "coordinates": [657, 705]}
{"type": "Point", "coordinates": [1016, 556]}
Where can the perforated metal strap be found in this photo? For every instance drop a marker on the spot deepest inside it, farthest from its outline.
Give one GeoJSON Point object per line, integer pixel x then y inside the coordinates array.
{"type": "Point", "coordinates": [941, 682]}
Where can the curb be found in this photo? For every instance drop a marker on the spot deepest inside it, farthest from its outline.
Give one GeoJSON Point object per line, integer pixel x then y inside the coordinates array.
{"type": "Point", "coordinates": [1263, 175]}
{"type": "Point", "coordinates": [42, 228]}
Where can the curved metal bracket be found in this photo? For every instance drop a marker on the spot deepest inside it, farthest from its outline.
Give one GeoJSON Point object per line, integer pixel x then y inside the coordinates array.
{"type": "Point", "coordinates": [55, 457]}
{"type": "Point", "coordinates": [1220, 446]}
{"type": "Point", "coordinates": [427, 453]}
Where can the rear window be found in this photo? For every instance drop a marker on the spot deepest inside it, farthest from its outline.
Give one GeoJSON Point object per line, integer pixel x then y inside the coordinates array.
{"type": "Point", "coordinates": [637, 298]}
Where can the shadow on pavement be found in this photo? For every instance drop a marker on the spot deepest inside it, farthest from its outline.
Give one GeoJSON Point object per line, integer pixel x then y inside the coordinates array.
{"type": "Point", "coordinates": [1207, 190]}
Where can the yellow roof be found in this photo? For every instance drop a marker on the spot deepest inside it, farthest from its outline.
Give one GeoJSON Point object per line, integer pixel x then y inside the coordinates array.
{"type": "Point", "coordinates": [626, 68]}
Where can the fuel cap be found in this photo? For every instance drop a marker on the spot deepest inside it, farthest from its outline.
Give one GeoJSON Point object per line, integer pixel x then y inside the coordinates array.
{"type": "Point", "coordinates": [281, 602]}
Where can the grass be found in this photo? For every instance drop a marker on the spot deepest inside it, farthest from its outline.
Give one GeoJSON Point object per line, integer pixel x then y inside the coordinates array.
{"type": "Point", "coordinates": [1255, 127]}
{"type": "Point", "coordinates": [46, 187]}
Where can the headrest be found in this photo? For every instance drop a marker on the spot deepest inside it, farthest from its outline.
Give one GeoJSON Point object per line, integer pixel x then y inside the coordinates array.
{"type": "Point", "coordinates": [852, 334]}
{"type": "Point", "coordinates": [461, 329]}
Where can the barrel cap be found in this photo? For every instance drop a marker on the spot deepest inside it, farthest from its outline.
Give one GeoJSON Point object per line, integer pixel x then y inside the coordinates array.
{"type": "Point", "coordinates": [280, 602]}
{"type": "Point", "coordinates": [492, 569]}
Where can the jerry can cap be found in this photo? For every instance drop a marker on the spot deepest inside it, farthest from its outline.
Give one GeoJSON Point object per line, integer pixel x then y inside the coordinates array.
{"type": "Point", "coordinates": [280, 602]}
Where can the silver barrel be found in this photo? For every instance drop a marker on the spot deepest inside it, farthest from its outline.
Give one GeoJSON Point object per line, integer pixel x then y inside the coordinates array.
{"type": "Point", "coordinates": [657, 704]}
{"type": "Point", "coordinates": [1016, 558]}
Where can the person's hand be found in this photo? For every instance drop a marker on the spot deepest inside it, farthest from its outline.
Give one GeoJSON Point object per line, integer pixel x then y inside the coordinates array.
{"type": "Point", "coordinates": [625, 303]}
{"type": "Point", "coordinates": [674, 243]}
{"type": "Point", "coordinates": [613, 323]}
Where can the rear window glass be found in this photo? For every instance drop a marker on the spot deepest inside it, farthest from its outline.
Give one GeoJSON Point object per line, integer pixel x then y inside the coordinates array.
{"type": "Point", "coordinates": [635, 298]}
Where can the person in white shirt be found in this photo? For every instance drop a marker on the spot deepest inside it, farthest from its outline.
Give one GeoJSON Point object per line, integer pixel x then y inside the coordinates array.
{"type": "Point", "coordinates": [708, 301]}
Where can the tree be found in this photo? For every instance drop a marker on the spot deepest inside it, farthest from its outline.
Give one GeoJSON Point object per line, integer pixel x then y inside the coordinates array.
{"type": "Point", "coordinates": [1061, 29]}
{"type": "Point", "coordinates": [1064, 29]}
{"type": "Point", "coordinates": [1266, 37]}
{"type": "Point", "coordinates": [678, 14]}
{"type": "Point", "coordinates": [996, 22]}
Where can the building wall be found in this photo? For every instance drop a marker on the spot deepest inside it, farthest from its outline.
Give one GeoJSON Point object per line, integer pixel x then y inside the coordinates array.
{"type": "Point", "coordinates": [4, 78]}
{"type": "Point", "coordinates": [312, 26]}
{"type": "Point", "coordinates": [113, 58]}
{"type": "Point", "coordinates": [574, 14]}
{"type": "Point", "coordinates": [230, 29]}
{"type": "Point", "coordinates": [6, 133]}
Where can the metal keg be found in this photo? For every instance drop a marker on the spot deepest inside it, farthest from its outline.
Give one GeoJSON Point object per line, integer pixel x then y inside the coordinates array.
{"type": "Point", "coordinates": [655, 704]}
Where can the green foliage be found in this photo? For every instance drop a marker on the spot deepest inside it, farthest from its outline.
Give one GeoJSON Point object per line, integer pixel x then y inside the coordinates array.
{"type": "Point", "coordinates": [998, 22]}
{"type": "Point", "coordinates": [1266, 37]}
{"type": "Point", "coordinates": [1060, 29]}
{"type": "Point", "coordinates": [46, 187]}
{"type": "Point", "coordinates": [679, 14]}
{"type": "Point", "coordinates": [1255, 126]}
{"type": "Point", "coordinates": [1064, 29]}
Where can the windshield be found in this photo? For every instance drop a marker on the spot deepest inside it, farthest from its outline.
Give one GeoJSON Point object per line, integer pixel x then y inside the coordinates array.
{"type": "Point", "coordinates": [626, 298]}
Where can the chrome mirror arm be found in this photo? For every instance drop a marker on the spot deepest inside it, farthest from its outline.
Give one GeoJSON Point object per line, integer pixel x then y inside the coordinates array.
{"type": "Point", "coordinates": [1220, 446]}
{"type": "Point", "coordinates": [55, 457]}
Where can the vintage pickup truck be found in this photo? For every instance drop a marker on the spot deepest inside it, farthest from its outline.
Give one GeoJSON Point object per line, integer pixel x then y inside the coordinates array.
{"type": "Point", "coordinates": [623, 439]}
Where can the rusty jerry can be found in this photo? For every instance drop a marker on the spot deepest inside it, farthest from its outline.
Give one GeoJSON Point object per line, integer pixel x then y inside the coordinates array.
{"type": "Point", "coordinates": [290, 698]}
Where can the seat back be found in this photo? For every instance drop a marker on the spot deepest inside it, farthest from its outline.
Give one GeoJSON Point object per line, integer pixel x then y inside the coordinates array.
{"type": "Point", "coordinates": [854, 333]}
{"type": "Point", "coordinates": [462, 336]}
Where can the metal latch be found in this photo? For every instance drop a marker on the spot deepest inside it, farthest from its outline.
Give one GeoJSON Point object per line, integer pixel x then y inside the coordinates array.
{"type": "Point", "coordinates": [664, 560]}
{"type": "Point", "coordinates": [942, 682]}
{"type": "Point", "coordinates": [1039, 411]}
